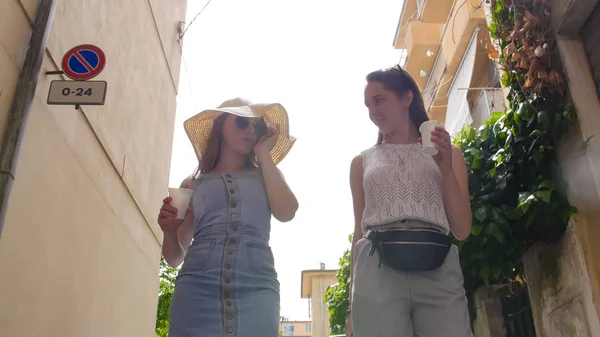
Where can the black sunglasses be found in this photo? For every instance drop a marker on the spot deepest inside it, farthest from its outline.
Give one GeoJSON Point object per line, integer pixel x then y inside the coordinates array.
{"type": "Point", "coordinates": [396, 68]}
{"type": "Point", "coordinates": [260, 127]}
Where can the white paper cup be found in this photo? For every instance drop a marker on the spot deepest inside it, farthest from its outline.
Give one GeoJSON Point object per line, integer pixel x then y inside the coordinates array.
{"type": "Point", "coordinates": [426, 128]}
{"type": "Point", "coordinates": [181, 200]}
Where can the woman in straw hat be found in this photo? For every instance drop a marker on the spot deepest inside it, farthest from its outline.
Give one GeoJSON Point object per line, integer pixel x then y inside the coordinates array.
{"type": "Point", "coordinates": [406, 276]}
{"type": "Point", "coordinates": [227, 285]}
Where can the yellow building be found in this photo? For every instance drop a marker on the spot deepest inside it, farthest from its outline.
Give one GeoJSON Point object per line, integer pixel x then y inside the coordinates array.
{"type": "Point", "coordinates": [80, 245]}
{"type": "Point", "coordinates": [295, 328]}
{"type": "Point", "coordinates": [445, 43]}
{"type": "Point", "coordinates": [313, 286]}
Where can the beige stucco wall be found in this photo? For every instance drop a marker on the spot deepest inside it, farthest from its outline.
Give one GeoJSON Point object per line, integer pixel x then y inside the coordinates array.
{"type": "Point", "coordinates": [563, 279]}
{"type": "Point", "coordinates": [489, 320]}
{"type": "Point", "coordinates": [561, 298]}
{"type": "Point", "coordinates": [13, 46]}
{"type": "Point", "coordinates": [80, 249]}
{"type": "Point", "coordinates": [581, 164]}
{"type": "Point", "coordinates": [320, 315]}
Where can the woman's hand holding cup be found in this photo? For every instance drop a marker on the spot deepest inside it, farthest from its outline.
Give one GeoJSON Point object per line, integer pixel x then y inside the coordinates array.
{"type": "Point", "coordinates": [167, 217]}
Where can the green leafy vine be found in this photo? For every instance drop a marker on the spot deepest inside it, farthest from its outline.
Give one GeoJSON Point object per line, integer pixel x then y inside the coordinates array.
{"type": "Point", "coordinates": [168, 275]}
{"type": "Point", "coordinates": [517, 194]}
{"type": "Point", "coordinates": [337, 295]}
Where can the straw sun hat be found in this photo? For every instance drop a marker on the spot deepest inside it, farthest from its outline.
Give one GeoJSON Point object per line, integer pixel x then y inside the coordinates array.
{"type": "Point", "coordinates": [199, 127]}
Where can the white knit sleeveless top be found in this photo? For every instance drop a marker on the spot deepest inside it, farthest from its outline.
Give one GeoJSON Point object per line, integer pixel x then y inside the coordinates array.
{"type": "Point", "coordinates": [401, 183]}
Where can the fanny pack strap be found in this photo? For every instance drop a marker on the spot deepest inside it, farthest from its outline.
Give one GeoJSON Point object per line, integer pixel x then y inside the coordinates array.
{"type": "Point", "coordinates": [375, 245]}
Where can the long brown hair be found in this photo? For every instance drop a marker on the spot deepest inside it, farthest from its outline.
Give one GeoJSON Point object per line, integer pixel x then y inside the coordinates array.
{"type": "Point", "coordinates": [211, 154]}
{"type": "Point", "coordinates": [400, 82]}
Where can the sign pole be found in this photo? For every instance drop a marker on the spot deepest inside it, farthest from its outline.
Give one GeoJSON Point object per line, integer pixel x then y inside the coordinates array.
{"type": "Point", "coordinates": [21, 104]}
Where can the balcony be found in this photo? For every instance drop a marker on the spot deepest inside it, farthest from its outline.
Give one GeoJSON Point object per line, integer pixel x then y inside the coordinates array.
{"type": "Point", "coordinates": [455, 40]}
{"type": "Point", "coordinates": [426, 11]}
{"type": "Point", "coordinates": [483, 76]}
{"type": "Point", "coordinates": [436, 11]}
{"type": "Point", "coordinates": [422, 44]}
{"type": "Point", "coordinates": [457, 33]}
{"type": "Point", "coordinates": [435, 35]}
{"type": "Point", "coordinates": [474, 98]}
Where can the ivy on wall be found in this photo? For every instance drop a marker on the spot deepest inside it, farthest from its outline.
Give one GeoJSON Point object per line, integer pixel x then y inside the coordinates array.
{"type": "Point", "coordinates": [517, 194]}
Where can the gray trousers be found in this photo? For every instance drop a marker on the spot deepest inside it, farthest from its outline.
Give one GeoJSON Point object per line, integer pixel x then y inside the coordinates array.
{"type": "Point", "coordinates": [391, 303]}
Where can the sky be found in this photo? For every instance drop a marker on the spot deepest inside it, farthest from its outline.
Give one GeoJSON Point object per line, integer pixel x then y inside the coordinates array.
{"type": "Point", "coordinates": [311, 56]}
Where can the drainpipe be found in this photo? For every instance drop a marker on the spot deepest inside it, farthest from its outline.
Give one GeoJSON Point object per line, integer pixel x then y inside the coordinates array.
{"type": "Point", "coordinates": [21, 103]}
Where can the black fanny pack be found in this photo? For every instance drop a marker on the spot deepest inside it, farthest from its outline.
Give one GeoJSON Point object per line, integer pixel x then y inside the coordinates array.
{"type": "Point", "coordinates": [410, 249]}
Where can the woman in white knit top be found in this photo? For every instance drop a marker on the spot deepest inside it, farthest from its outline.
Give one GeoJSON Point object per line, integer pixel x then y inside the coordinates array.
{"type": "Point", "coordinates": [406, 276]}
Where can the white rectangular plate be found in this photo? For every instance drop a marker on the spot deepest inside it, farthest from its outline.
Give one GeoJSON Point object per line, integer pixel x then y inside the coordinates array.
{"type": "Point", "coordinates": [77, 92]}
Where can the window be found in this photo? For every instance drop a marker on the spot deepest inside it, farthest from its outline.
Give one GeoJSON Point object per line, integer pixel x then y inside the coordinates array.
{"type": "Point", "coordinates": [431, 88]}
{"type": "Point", "coordinates": [457, 112]}
{"type": "Point", "coordinates": [308, 328]}
{"type": "Point", "coordinates": [288, 329]}
{"type": "Point", "coordinates": [430, 91]}
{"type": "Point", "coordinates": [493, 75]}
{"type": "Point", "coordinates": [489, 102]}
{"type": "Point", "coordinates": [403, 58]}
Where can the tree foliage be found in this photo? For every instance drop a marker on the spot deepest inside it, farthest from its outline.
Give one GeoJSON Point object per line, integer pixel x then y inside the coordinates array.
{"type": "Point", "coordinates": [165, 294]}
{"type": "Point", "coordinates": [337, 295]}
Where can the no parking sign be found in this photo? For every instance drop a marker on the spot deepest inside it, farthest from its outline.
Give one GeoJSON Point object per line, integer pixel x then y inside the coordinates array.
{"type": "Point", "coordinates": [81, 63]}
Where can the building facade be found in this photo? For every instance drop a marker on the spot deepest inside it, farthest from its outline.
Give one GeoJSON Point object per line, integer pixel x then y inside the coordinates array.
{"type": "Point", "coordinates": [313, 286]}
{"type": "Point", "coordinates": [295, 328]}
{"type": "Point", "coordinates": [445, 44]}
{"type": "Point", "coordinates": [80, 246]}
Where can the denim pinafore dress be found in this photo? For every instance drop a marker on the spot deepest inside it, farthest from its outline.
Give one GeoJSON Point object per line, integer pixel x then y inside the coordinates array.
{"type": "Point", "coordinates": [228, 285]}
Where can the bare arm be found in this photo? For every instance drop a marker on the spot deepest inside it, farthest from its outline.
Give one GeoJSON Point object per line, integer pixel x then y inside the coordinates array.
{"type": "Point", "coordinates": [282, 200]}
{"type": "Point", "coordinates": [456, 196]}
{"type": "Point", "coordinates": [175, 244]}
{"type": "Point", "coordinates": [358, 201]}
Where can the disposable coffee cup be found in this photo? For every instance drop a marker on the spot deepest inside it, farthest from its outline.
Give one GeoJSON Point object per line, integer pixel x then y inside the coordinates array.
{"type": "Point", "coordinates": [181, 200]}
{"type": "Point", "coordinates": [426, 128]}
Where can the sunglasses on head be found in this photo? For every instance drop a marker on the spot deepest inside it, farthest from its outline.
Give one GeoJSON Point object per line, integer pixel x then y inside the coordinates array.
{"type": "Point", "coordinates": [260, 127]}
{"type": "Point", "coordinates": [396, 68]}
